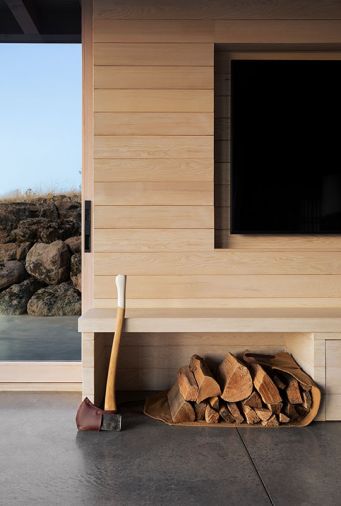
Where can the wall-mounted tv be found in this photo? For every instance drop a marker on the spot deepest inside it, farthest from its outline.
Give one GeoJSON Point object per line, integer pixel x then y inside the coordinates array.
{"type": "Point", "coordinates": [285, 147]}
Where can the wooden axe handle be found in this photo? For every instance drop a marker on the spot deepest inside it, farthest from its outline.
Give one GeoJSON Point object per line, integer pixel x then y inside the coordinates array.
{"type": "Point", "coordinates": [110, 391]}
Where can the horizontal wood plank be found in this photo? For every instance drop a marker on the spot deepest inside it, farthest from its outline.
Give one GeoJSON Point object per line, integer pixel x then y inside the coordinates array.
{"type": "Point", "coordinates": [155, 123]}
{"type": "Point", "coordinates": [216, 9]}
{"type": "Point", "coordinates": [154, 77]}
{"type": "Point", "coordinates": [213, 303]}
{"type": "Point", "coordinates": [118, 30]}
{"type": "Point", "coordinates": [285, 242]}
{"type": "Point", "coordinates": [277, 31]}
{"type": "Point", "coordinates": [221, 286]}
{"type": "Point", "coordinates": [154, 169]}
{"type": "Point", "coordinates": [153, 217]}
{"type": "Point", "coordinates": [154, 101]}
{"type": "Point", "coordinates": [153, 54]}
{"type": "Point", "coordinates": [218, 263]}
{"type": "Point", "coordinates": [185, 193]}
{"type": "Point", "coordinates": [153, 147]}
{"type": "Point", "coordinates": [115, 240]}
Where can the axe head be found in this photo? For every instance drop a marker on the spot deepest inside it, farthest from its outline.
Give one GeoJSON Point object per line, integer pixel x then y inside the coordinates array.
{"type": "Point", "coordinates": [89, 417]}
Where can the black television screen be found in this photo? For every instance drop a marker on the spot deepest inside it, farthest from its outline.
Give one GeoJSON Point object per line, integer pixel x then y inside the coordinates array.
{"type": "Point", "coordinates": [285, 147]}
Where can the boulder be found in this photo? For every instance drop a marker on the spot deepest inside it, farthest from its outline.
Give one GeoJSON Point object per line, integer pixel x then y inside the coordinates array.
{"type": "Point", "coordinates": [76, 271]}
{"type": "Point", "coordinates": [13, 300]}
{"type": "Point", "coordinates": [22, 250]}
{"type": "Point", "coordinates": [12, 213]}
{"type": "Point", "coordinates": [74, 243]}
{"type": "Point", "coordinates": [36, 229]}
{"type": "Point", "coordinates": [58, 300]}
{"type": "Point", "coordinates": [49, 263]}
{"type": "Point", "coordinates": [68, 207]}
{"type": "Point", "coordinates": [69, 228]}
{"type": "Point", "coordinates": [8, 252]}
{"type": "Point", "coordinates": [11, 272]}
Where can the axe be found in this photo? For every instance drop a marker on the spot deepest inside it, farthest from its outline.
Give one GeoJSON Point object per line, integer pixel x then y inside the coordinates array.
{"type": "Point", "coordinates": [89, 416]}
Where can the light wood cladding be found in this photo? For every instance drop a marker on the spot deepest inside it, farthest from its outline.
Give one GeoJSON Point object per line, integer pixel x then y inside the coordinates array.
{"type": "Point", "coordinates": [154, 54]}
{"type": "Point", "coordinates": [153, 100]}
{"type": "Point", "coordinates": [154, 77]}
{"type": "Point", "coordinates": [155, 163]}
{"type": "Point", "coordinates": [154, 123]}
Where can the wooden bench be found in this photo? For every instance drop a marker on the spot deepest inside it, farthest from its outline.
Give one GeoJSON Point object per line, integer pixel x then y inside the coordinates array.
{"type": "Point", "coordinates": [157, 341]}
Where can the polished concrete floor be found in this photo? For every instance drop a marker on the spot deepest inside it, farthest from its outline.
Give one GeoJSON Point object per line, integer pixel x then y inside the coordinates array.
{"type": "Point", "coordinates": [39, 338]}
{"type": "Point", "coordinates": [44, 461]}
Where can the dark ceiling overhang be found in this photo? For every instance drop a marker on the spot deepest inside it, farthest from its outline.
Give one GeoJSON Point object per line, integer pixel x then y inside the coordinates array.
{"type": "Point", "coordinates": [34, 21]}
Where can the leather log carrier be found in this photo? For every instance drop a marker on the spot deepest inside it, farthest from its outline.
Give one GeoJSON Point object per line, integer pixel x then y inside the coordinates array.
{"type": "Point", "coordinates": [157, 407]}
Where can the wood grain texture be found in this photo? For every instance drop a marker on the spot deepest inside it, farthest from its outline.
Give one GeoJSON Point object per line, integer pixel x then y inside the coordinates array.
{"type": "Point", "coordinates": [226, 302]}
{"type": "Point", "coordinates": [153, 147]}
{"type": "Point", "coordinates": [197, 286]}
{"type": "Point", "coordinates": [277, 31]}
{"type": "Point", "coordinates": [285, 243]}
{"type": "Point", "coordinates": [218, 263]}
{"type": "Point", "coordinates": [186, 193]}
{"type": "Point", "coordinates": [125, 241]}
{"type": "Point", "coordinates": [333, 369]}
{"type": "Point", "coordinates": [217, 9]}
{"type": "Point", "coordinates": [153, 54]}
{"type": "Point", "coordinates": [153, 217]}
{"type": "Point", "coordinates": [114, 30]}
{"type": "Point", "coordinates": [154, 77]}
{"type": "Point", "coordinates": [153, 101]}
{"type": "Point", "coordinates": [157, 123]}
{"type": "Point", "coordinates": [156, 169]}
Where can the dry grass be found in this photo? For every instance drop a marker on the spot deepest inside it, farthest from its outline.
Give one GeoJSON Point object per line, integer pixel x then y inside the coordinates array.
{"type": "Point", "coordinates": [32, 195]}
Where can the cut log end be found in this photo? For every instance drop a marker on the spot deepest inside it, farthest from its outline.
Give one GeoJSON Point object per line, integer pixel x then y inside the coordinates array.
{"type": "Point", "coordinates": [211, 415]}
{"type": "Point", "coordinates": [180, 409]}
{"type": "Point", "coordinates": [207, 385]}
{"type": "Point", "coordinates": [187, 384]}
{"type": "Point", "coordinates": [235, 379]}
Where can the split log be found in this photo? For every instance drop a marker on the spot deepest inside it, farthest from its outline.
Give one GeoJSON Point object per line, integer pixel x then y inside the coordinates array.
{"type": "Point", "coordinates": [250, 415]}
{"type": "Point", "coordinates": [307, 400]}
{"type": "Point", "coordinates": [187, 384]}
{"type": "Point", "coordinates": [283, 418]}
{"type": "Point", "coordinates": [279, 383]}
{"type": "Point", "coordinates": [272, 422]}
{"type": "Point", "coordinates": [181, 410]}
{"type": "Point", "coordinates": [235, 378]}
{"type": "Point", "coordinates": [275, 408]}
{"type": "Point", "coordinates": [254, 400]}
{"type": "Point", "coordinates": [293, 392]}
{"type": "Point", "coordinates": [208, 386]}
{"type": "Point", "coordinates": [265, 386]}
{"type": "Point", "coordinates": [214, 402]}
{"type": "Point", "coordinates": [234, 410]}
{"type": "Point", "coordinates": [211, 415]}
{"type": "Point", "coordinates": [290, 411]}
{"type": "Point", "coordinates": [200, 410]}
{"type": "Point", "coordinates": [263, 414]}
{"type": "Point", "coordinates": [226, 415]}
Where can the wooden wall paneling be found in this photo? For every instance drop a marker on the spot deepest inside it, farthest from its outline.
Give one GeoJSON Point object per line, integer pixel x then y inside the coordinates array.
{"type": "Point", "coordinates": [239, 286]}
{"type": "Point", "coordinates": [154, 54]}
{"type": "Point", "coordinates": [155, 123]}
{"type": "Point", "coordinates": [153, 147]}
{"type": "Point", "coordinates": [153, 217]}
{"type": "Point", "coordinates": [154, 77]}
{"type": "Point", "coordinates": [154, 169]}
{"type": "Point", "coordinates": [217, 9]}
{"type": "Point", "coordinates": [226, 302]}
{"type": "Point", "coordinates": [153, 101]}
{"type": "Point", "coordinates": [183, 193]}
{"type": "Point", "coordinates": [218, 263]}
{"type": "Point", "coordinates": [118, 30]}
{"type": "Point", "coordinates": [149, 240]}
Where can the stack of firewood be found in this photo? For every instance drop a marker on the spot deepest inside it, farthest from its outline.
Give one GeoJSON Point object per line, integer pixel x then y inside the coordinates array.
{"type": "Point", "coordinates": [240, 393]}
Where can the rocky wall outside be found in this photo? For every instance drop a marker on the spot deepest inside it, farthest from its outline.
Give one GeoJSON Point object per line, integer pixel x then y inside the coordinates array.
{"type": "Point", "coordinates": [40, 257]}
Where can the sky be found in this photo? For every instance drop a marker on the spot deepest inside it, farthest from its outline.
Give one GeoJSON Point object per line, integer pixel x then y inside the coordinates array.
{"type": "Point", "coordinates": [40, 117]}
